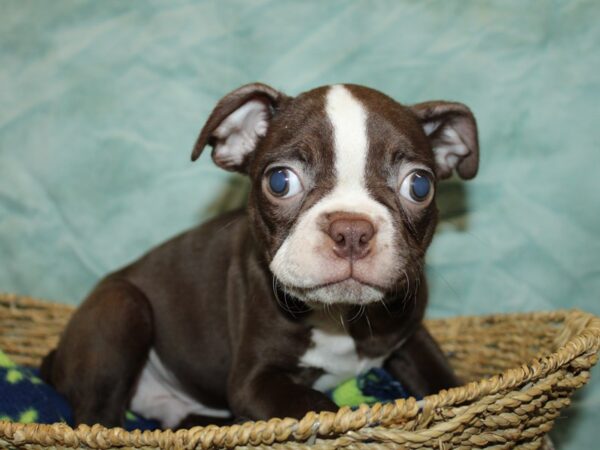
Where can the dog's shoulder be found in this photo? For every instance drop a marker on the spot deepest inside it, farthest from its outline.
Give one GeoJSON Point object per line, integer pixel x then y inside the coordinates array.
{"type": "Point", "coordinates": [195, 250]}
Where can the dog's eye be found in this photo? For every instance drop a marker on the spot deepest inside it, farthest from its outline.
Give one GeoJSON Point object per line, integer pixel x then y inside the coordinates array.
{"type": "Point", "coordinates": [283, 182]}
{"type": "Point", "coordinates": [417, 186]}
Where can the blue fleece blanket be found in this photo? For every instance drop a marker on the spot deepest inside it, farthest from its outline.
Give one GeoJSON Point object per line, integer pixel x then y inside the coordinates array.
{"type": "Point", "coordinates": [25, 398]}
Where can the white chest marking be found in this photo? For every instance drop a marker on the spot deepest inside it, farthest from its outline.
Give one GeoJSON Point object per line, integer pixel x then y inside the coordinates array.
{"type": "Point", "coordinates": [334, 351]}
{"type": "Point", "coordinates": [160, 396]}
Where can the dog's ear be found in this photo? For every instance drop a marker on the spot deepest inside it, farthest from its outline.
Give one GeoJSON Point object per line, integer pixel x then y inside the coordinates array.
{"type": "Point", "coordinates": [452, 131]}
{"type": "Point", "coordinates": [236, 124]}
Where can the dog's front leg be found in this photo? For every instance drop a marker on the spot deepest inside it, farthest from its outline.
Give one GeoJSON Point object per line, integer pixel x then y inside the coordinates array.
{"type": "Point", "coordinates": [268, 392]}
{"type": "Point", "coordinates": [421, 366]}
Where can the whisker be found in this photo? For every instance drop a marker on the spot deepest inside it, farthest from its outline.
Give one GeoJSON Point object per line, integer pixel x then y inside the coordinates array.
{"type": "Point", "coordinates": [329, 311]}
{"type": "Point", "coordinates": [382, 301]}
{"type": "Point", "coordinates": [411, 225]}
{"type": "Point", "coordinates": [283, 306]}
{"type": "Point", "coordinates": [416, 294]}
{"type": "Point", "coordinates": [369, 323]}
{"type": "Point", "coordinates": [342, 321]}
{"type": "Point", "coordinates": [407, 291]}
{"type": "Point", "coordinates": [285, 299]}
{"type": "Point", "coordinates": [419, 276]}
{"type": "Point", "coordinates": [358, 314]}
{"type": "Point", "coordinates": [306, 309]}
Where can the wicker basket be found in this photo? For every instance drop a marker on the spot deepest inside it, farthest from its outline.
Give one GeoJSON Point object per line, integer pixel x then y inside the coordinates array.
{"type": "Point", "coordinates": [522, 370]}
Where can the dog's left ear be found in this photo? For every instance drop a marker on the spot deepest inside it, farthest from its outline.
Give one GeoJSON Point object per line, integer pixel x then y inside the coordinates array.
{"type": "Point", "coordinates": [452, 130]}
{"type": "Point", "coordinates": [237, 123]}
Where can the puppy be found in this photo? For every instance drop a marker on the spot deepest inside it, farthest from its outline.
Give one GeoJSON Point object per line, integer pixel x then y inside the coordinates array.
{"type": "Point", "coordinates": [258, 312]}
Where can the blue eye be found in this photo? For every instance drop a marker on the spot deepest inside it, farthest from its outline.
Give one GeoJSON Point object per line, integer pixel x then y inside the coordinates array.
{"type": "Point", "coordinates": [283, 182]}
{"type": "Point", "coordinates": [417, 186]}
{"type": "Point", "coordinates": [278, 181]}
{"type": "Point", "coordinates": [420, 186]}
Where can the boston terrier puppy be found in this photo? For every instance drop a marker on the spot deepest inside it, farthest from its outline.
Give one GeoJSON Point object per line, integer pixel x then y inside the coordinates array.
{"type": "Point", "coordinates": [255, 314]}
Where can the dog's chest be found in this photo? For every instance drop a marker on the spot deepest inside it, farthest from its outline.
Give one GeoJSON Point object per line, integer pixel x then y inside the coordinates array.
{"type": "Point", "coordinates": [334, 351]}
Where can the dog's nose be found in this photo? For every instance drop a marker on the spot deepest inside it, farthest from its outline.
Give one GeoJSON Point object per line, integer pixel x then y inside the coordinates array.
{"type": "Point", "coordinates": [351, 237]}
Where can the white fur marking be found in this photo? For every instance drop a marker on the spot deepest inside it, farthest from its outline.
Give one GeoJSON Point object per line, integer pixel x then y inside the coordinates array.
{"type": "Point", "coordinates": [159, 396]}
{"type": "Point", "coordinates": [334, 351]}
{"type": "Point", "coordinates": [349, 121]}
{"type": "Point", "coordinates": [305, 258]}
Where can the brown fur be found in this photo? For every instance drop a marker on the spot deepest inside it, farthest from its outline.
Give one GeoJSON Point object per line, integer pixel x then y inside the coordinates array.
{"type": "Point", "coordinates": [205, 300]}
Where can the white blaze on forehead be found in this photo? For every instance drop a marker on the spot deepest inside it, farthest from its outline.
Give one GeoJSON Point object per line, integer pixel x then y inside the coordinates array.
{"type": "Point", "coordinates": [349, 121]}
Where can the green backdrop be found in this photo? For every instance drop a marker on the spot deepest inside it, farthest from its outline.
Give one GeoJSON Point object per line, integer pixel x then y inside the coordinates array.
{"type": "Point", "coordinates": [100, 103]}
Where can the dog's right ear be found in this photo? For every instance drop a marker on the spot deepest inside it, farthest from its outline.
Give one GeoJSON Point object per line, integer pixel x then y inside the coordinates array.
{"type": "Point", "coordinates": [237, 123]}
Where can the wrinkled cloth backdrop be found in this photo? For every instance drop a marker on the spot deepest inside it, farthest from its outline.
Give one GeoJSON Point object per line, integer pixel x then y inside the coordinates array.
{"type": "Point", "coordinates": [100, 104]}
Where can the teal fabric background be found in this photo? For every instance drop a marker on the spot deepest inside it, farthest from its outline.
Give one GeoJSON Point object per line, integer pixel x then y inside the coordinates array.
{"type": "Point", "coordinates": [100, 104]}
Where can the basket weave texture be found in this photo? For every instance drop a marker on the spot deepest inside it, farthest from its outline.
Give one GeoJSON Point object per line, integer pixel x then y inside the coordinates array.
{"type": "Point", "coordinates": [520, 369]}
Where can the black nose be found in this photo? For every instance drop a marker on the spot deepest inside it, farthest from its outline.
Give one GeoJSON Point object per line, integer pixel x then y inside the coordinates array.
{"type": "Point", "coordinates": [351, 237]}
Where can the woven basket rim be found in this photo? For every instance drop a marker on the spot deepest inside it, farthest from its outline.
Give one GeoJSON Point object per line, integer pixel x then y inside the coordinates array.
{"type": "Point", "coordinates": [325, 424]}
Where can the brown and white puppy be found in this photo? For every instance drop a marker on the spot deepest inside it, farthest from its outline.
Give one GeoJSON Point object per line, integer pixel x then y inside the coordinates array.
{"type": "Point", "coordinates": [254, 314]}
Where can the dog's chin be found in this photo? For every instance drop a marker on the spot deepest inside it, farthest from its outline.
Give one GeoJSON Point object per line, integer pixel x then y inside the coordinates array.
{"type": "Point", "coordinates": [349, 291]}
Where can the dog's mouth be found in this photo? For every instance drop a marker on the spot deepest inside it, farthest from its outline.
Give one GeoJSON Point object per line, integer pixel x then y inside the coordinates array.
{"type": "Point", "coordinates": [351, 280]}
{"type": "Point", "coordinates": [349, 290]}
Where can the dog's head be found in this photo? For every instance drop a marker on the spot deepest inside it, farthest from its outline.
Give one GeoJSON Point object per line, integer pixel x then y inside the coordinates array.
{"type": "Point", "coordinates": [343, 182]}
